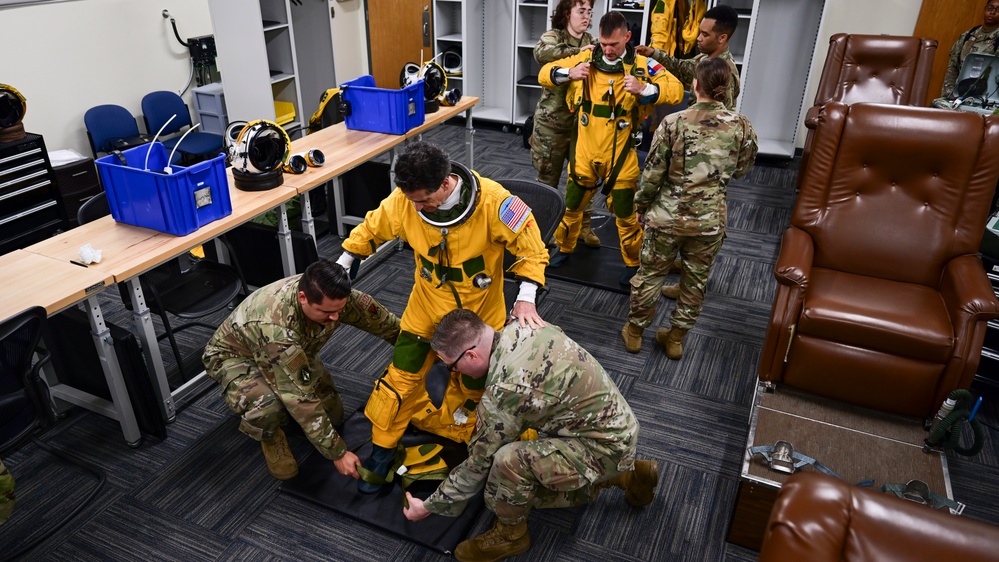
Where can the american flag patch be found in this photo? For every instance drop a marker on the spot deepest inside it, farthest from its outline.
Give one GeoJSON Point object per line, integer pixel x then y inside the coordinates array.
{"type": "Point", "coordinates": [513, 212]}
{"type": "Point", "coordinates": [655, 67]}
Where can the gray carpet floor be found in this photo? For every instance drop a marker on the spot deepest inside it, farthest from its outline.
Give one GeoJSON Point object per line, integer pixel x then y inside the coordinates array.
{"type": "Point", "coordinates": [204, 493]}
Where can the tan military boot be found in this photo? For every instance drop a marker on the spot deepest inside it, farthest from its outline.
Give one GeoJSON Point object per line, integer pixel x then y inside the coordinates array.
{"type": "Point", "coordinates": [586, 234]}
{"type": "Point", "coordinates": [671, 291]}
{"type": "Point", "coordinates": [632, 336]}
{"type": "Point", "coordinates": [639, 484]}
{"type": "Point", "coordinates": [675, 266]}
{"type": "Point", "coordinates": [495, 544]}
{"type": "Point", "coordinates": [280, 462]}
{"type": "Point", "coordinates": [672, 341]}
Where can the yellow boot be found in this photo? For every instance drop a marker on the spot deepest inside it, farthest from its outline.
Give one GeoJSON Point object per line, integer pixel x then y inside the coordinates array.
{"type": "Point", "coordinates": [671, 291]}
{"type": "Point", "coordinates": [495, 544]}
{"type": "Point", "coordinates": [280, 462]}
{"type": "Point", "coordinates": [639, 484]}
{"type": "Point", "coordinates": [632, 336]}
{"type": "Point", "coordinates": [586, 234]}
{"type": "Point", "coordinates": [672, 341]}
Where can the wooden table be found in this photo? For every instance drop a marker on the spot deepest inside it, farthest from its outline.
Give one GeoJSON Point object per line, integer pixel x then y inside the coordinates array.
{"type": "Point", "coordinates": [346, 149]}
{"type": "Point", "coordinates": [36, 280]}
{"type": "Point", "coordinates": [128, 251]}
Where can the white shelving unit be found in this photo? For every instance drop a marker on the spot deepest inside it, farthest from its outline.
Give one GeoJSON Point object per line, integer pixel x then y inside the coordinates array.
{"type": "Point", "coordinates": [637, 17]}
{"type": "Point", "coordinates": [779, 46]}
{"type": "Point", "coordinates": [532, 22]}
{"type": "Point", "coordinates": [259, 57]}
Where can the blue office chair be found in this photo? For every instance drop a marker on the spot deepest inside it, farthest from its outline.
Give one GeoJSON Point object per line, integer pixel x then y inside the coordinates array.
{"type": "Point", "coordinates": [112, 127]}
{"type": "Point", "coordinates": [158, 107]}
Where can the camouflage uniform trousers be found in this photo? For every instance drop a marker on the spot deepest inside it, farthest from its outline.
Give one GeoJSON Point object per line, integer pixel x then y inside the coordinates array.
{"type": "Point", "coordinates": [252, 397]}
{"type": "Point", "coordinates": [7, 499]}
{"type": "Point", "coordinates": [549, 153]}
{"type": "Point", "coordinates": [537, 474]}
{"type": "Point", "coordinates": [697, 254]}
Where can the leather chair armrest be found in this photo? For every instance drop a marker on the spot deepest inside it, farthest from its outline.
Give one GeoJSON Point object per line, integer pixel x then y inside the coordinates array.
{"type": "Point", "coordinates": [967, 293]}
{"type": "Point", "coordinates": [794, 264]}
{"type": "Point", "coordinates": [812, 116]}
{"type": "Point", "coordinates": [791, 271]}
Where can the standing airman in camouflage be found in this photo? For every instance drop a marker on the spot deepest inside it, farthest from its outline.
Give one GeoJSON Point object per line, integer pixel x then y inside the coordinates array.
{"type": "Point", "coordinates": [266, 358]}
{"type": "Point", "coordinates": [681, 199]}
{"type": "Point", "coordinates": [979, 39]}
{"type": "Point", "coordinates": [553, 122]}
{"type": "Point", "coordinates": [534, 379]}
{"type": "Point", "coordinates": [716, 29]}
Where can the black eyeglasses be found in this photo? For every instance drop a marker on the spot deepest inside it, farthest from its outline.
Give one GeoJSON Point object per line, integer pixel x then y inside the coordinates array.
{"type": "Point", "coordinates": [454, 365]}
{"type": "Point", "coordinates": [991, 8]}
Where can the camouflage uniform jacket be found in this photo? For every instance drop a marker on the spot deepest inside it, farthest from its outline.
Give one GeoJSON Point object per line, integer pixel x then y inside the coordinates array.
{"type": "Point", "coordinates": [683, 69]}
{"type": "Point", "coordinates": [975, 40]}
{"type": "Point", "coordinates": [694, 154]}
{"type": "Point", "coordinates": [270, 328]}
{"type": "Point", "coordinates": [543, 380]}
{"type": "Point", "coordinates": [557, 44]}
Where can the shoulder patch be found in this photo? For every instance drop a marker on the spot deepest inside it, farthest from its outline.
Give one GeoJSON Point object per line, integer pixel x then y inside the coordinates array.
{"type": "Point", "coordinates": [513, 212]}
{"type": "Point", "coordinates": [655, 67]}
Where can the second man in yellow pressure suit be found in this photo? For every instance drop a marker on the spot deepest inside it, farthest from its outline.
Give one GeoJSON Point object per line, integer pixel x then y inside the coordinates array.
{"type": "Point", "coordinates": [611, 89]}
{"type": "Point", "coordinates": [458, 224]}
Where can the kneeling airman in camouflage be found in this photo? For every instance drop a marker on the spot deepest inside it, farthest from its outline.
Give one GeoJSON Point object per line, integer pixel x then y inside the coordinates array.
{"type": "Point", "coordinates": [266, 357]}
{"type": "Point", "coordinates": [534, 379]}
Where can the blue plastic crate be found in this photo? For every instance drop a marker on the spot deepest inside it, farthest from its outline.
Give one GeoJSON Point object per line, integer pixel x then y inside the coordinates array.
{"type": "Point", "coordinates": [177, 203]}
{"type": "Point", "coordinates": [380, 110]}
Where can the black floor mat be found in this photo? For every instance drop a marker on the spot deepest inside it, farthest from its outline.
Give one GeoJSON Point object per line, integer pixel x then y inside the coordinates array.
{"type": "Point", "coordinates": [319, 482]}
{"type": "Point", "coordinates": [595, 267]}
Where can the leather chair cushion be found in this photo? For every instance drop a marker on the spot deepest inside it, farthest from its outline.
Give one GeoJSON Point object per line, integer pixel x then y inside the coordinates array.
{"type": "Point", "coordinates": [877, 69]}
{"type": "Point", "coordinates": [903, 319]}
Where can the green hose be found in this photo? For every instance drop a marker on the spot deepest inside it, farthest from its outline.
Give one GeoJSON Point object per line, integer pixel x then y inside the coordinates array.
{"type": "Point", "coordinates": [946, 433]}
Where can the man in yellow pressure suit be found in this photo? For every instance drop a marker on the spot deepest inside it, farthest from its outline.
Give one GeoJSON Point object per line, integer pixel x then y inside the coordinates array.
{"type": "Point", "coordinates": [612, 89]}
{"type": "Point", "coordinates": [458, 224]}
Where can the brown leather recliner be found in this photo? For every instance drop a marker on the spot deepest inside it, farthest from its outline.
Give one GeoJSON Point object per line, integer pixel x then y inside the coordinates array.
{"type": "Point", "coordinates": [821, 519]}
{"type": "Point", "coordinates": [882, 300]}
{"type": "Point", "coordinates": [871, 68]}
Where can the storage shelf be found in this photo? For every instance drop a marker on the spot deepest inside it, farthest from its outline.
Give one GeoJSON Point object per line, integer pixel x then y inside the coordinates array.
{"type": "Point", "coordinates": [274, 26]}
{"type": "Point", "coordinates": [281, 77]}
{"type": "Point", "coordinates": [451, 37]}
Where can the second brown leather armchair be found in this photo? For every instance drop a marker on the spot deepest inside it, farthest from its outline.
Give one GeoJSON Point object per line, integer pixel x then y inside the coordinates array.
{"type": "Point", "coordinates": [882, 300]}
{"type": "Point", "coordinates": [871, 68]}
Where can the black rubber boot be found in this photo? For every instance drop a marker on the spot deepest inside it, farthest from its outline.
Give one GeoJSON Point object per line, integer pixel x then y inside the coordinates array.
{"type": "Point", "coordinates": [379, 463]}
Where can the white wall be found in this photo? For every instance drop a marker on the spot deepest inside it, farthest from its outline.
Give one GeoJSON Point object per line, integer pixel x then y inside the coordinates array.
{"type": "Point", "coordinates": [69, 56]}
{"type": "Point", "coordinates": [350, 41]}
{"type": "Point", "coordinates": [890, 17]}
{"type": "Point", "coordinates": [66, 57]}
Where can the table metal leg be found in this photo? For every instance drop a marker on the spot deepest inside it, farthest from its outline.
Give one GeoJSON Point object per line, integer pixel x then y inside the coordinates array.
{"type": "Point", "coordinates": [122, 405]}
{"type": "Point", "coordinates": [308, 221]}
{"type": "Point", "coordinates": [151, 348]}
{"type": "Point", "coordinates": [284, 239]}
{"type": "Point", "coordinates": [469, 134]}
{"type": "Point", "coordinates": [338, 205]}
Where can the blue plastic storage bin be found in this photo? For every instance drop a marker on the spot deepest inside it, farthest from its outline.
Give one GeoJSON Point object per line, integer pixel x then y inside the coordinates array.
{"type": "Point", "coordinates": [177, 203]}
{"type": "Point", "coordinates": [380, 110]}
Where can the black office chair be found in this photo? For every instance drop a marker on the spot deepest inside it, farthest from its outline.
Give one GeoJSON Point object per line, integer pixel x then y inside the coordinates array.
{"type": "Point", "coordinates": [197, 146]}
{"type": "Point", "coordinates": [22, 409]}
{"type": "Point", "coordinates": [548, 206]}
{"type": "Point", "coordinates": [188, 291]}
{"type": "Point", "coordinates": [112, 127]}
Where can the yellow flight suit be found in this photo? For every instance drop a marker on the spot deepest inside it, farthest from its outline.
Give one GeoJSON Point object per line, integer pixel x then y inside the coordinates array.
{"type": "Point", "coordinates": [473, 250]}
{"type": "Point", "coordinates": [604, 153]}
